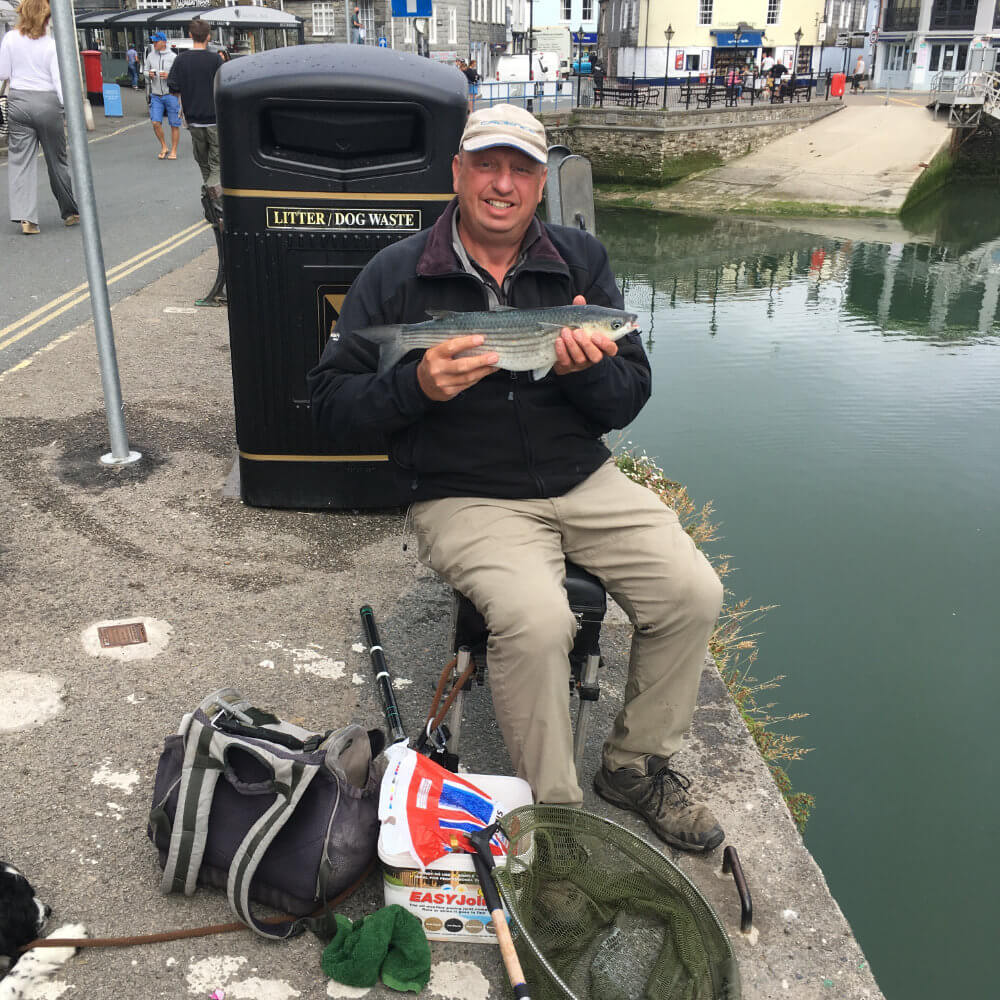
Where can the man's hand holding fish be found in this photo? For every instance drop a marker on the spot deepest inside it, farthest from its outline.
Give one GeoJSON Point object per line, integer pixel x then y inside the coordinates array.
{"type": "Point", "coordinates": [577, 349]}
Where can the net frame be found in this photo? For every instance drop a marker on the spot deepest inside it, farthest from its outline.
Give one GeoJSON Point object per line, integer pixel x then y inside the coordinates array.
{"type": "Point", "coordinates": [524, 821]}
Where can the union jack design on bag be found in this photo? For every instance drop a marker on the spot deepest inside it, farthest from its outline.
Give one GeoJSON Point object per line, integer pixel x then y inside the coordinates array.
{"type": "Point", "coordinates": [427, 811]}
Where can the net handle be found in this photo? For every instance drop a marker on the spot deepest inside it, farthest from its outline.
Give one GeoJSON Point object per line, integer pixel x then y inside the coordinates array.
{"type": "Point", "coordinates": [482, 859]}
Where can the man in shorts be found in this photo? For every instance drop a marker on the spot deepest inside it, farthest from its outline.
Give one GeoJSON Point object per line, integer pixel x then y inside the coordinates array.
{"type": "Point", "coordinates": [161, 101]}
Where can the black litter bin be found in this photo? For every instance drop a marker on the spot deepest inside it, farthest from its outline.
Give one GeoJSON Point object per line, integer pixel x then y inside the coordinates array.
{"type": "Point", "coordinates": [329, 153]}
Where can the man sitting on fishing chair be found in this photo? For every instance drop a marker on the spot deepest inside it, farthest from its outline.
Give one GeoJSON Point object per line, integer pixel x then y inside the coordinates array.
{"type": "Point", "coordinates": [509, 476]}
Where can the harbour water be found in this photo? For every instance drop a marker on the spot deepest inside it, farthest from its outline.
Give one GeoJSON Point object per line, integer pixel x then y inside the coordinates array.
{"type": "Point", "coordinates": [837, 395]}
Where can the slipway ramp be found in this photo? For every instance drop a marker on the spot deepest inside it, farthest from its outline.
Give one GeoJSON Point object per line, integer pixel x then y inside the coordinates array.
{"type": "Point", "coordinates": [863, 159]}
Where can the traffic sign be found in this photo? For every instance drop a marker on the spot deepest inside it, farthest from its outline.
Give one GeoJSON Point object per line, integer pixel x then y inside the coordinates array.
{"type": "Point", "coordinates": [874, 35]}
{"type": "Point", "coordinates": [412, 8]}
{"type": "Point", "coordinates": [383, 42]}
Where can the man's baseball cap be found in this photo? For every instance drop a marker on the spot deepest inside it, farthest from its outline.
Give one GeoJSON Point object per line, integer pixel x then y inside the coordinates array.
{"type": "Point", "coordinates": [159, 36]}
{"type": "Point", "coordinates": [505, 125]}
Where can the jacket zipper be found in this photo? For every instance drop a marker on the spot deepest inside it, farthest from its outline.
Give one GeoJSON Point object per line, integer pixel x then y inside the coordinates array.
{"type": "Point", "coordinates": [514, 397]}
{"type": "Point", "coordinates": [415, 481]}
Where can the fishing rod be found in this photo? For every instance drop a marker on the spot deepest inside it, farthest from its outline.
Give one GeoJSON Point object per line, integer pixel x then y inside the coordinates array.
{"type": "Point", "coordinates": [382, 678]}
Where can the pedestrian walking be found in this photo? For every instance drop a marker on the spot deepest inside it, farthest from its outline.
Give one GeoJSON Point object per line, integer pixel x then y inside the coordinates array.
{"type": "Point", "coordinates": [192, 78]}
{"type": "Point", "coordinates": [132, 59]}
{"type": "Point", "coordinates": [357, 28]}
{"type": "Point", "coordinates": [859, 76]}
{"type": "Point", "coordinates": [472, 75]}
{"type": "Point", "coordinates": [161, 102]}
{"type": "Point", "coordinates": [35, 109]}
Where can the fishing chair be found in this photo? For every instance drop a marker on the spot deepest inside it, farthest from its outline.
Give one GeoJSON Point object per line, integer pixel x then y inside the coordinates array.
{"type": "Point", "coordinates": [588, 602]}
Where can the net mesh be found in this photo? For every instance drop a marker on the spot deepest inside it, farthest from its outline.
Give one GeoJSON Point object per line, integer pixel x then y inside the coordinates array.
{"type": "Point", "coordinates": [598, 914]}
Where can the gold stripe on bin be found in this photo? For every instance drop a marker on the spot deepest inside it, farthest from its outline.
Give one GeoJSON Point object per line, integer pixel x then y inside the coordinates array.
{"type": "Point", "coordinates": [400, 196]}
{"type": "Point", "coordinates": [313, 458]}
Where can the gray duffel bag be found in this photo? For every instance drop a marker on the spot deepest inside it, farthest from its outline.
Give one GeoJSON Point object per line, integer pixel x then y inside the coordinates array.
{"type": "Point", "coordinates": [268, 811]}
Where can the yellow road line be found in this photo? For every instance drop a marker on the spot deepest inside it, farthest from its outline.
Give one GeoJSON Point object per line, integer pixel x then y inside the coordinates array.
{"type": "Point", "coordinates": [198, 230]}
{"type": "Point", "coordinates": [110, 272]}
{"type": "Point", "coordinates": [97, 138]}
{"type": "Point", "coordinates": [124, 128]}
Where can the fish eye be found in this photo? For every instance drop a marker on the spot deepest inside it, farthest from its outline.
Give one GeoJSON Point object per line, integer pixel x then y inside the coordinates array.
{"type": "Point", "coordinates": [615, 324]}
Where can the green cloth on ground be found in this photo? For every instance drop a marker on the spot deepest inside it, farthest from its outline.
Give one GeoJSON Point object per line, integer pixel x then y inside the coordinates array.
{"type": "Point", "coordinates": [390, 941]}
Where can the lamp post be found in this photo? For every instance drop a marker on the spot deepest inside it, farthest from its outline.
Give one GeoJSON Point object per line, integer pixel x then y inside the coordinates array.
{"type": "Point", "coordinates": [579, 63]}
{"type": "Point", "coordinates": [795, 61]}
{"type": "Point", "coordinates": [530, 104]}
{"type": "Point", "coordinates": [731, 92]}
{"type": "Point", "coordinates": [668, 33]}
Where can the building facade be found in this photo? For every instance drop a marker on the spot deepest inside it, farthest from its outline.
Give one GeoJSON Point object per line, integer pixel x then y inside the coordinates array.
{"type": "Point", "coordinates": [458, 29]}
{"type": "Point", "coordinates": [846, 21]}
{"type": "Point", "coordinates": [708, 36]}
{"type": "Point", "coordinates": [920, 41]}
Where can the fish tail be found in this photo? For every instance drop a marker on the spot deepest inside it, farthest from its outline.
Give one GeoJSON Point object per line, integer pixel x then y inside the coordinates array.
{"type": "Point", "coordinates": [389, 341]}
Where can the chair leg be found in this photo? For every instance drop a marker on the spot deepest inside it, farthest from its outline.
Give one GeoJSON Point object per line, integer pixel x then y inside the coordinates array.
{"type": "Point", "coordinates": [589, 693]}
{"type": "Point", "coordinates": [455, 713]}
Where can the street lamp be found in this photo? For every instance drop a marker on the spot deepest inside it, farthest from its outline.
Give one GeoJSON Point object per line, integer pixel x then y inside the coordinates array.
{"type": "Point", "coordinates": [579, 63]}
{"type": "Point", "coordinates": [731, 93]}
{"type": "Point", "coordinates": [668, 33]}
{"type": "Point", "coordinates": [795, 61]}
{"type": "Point", "coordinates": [530, 104]}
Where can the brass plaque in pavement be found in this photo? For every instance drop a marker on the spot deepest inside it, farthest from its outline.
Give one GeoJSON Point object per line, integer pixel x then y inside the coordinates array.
{"type": "Point", "coordinates": [129, 634]}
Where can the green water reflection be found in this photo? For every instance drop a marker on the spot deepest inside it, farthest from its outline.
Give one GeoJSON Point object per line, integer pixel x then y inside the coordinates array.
{"type": "Point", "coordinates": [834, 387]}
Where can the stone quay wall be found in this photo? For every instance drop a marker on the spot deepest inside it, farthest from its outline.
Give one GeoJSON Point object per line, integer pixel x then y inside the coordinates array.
{"type": "Point", "coordinates": [658, 147]}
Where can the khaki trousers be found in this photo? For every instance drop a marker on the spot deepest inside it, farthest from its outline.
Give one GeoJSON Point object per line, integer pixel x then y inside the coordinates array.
{"type": "Point", "coordinates": [508, 558]}
{"type": "Point", "coordinates": [205, 146]}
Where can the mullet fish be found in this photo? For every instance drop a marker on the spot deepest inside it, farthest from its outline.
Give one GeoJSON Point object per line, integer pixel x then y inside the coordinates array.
{"type": "Point", "coordinates": [524, 339]}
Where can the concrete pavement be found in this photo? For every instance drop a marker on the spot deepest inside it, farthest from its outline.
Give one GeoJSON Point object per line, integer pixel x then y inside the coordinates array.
{"type": "Point", "coordinates": [266, 601]}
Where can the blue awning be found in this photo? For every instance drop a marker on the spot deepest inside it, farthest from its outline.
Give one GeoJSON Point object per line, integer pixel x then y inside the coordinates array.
{"type": "Point", "coordinates": [748, 40]}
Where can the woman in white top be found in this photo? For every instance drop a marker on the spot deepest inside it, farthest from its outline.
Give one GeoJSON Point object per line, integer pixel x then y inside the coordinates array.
{"type": "Point", "coordinates": [35, 109]}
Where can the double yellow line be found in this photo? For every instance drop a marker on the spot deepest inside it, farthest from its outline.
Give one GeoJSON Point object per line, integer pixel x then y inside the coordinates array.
{"type": "Point", "coordinates": [45, 314]}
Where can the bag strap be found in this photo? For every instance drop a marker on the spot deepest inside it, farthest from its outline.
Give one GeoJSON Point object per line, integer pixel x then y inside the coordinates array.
{"type": "Point", "coordinates": [199, 774]}
{"type": "Point", "coordinates": [291, 779]}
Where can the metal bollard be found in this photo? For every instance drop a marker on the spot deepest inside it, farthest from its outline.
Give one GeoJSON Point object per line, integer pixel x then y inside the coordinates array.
{"type": "Point", "coordinates": [211, 201]}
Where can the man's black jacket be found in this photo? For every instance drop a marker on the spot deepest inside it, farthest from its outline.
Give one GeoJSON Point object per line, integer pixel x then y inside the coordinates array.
{"type": "Point", "coordinates": [507, 436]}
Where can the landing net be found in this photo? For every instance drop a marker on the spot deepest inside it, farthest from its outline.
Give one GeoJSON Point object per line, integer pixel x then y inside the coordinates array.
{"type": "Point", "coordinates": [598, 914]}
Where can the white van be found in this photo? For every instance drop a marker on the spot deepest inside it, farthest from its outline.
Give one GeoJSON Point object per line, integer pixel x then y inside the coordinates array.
{"type": "Point", "coordinates": [514, 69]}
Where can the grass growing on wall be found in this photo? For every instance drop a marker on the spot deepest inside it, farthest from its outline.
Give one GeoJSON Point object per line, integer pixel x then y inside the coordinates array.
{"type": "Point", "coordinates": [640, 172]}
{"type": "Point", "coordinates": [733, 643]}
{"type": "Point", "coordinates": [936, 175]}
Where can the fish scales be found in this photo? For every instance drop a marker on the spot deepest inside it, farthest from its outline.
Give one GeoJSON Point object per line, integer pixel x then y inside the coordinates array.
{"type": "Point", "coordinates": [524, 339]}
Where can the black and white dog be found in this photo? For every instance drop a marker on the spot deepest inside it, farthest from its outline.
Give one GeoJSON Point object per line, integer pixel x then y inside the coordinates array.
{"type": "Point", "coordinates": [22, 919]}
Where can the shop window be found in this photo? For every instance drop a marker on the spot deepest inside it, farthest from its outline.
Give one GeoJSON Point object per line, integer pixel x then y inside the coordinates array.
{"type": "Point", "coordinates": [692, 62]}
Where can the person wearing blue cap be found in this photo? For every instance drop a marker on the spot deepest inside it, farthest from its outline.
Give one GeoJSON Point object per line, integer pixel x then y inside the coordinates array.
{"type": "Point", "coordinates": [161, 101]}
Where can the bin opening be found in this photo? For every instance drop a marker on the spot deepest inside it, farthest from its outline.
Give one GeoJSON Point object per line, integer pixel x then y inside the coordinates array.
{"type": "Point", "coordinates": [348, 137]}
